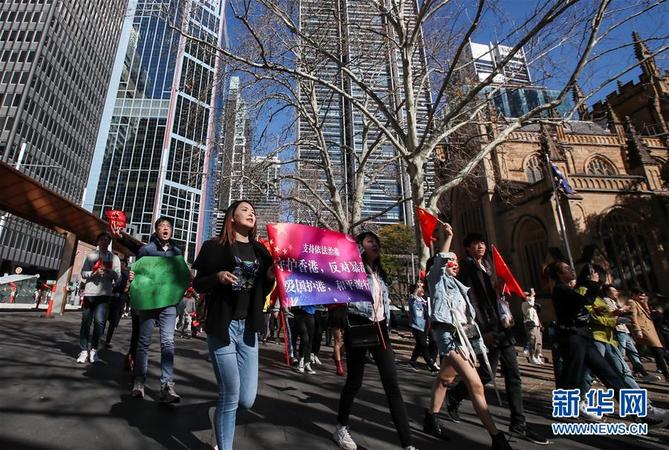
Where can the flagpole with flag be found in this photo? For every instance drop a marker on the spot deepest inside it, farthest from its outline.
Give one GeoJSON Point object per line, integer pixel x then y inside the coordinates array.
{"type": "Point", "coordinates": [555, 172]}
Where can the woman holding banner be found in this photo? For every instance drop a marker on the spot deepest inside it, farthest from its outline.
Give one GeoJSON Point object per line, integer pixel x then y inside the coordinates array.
{"type": "Point", "coordinates": [458, 339]}
{"type": "Point", "coordinates": [235, 272]}
{"type": "Point", "coordinates": [367, 330]}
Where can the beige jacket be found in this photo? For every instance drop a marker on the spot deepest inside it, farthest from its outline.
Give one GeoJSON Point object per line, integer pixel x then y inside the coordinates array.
{"type": "Point", "coordinates": [641, 321]}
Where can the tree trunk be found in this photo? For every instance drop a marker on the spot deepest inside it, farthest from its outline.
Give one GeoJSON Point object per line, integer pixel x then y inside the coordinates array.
{"type": "Point", "coordinates": [416, 176]}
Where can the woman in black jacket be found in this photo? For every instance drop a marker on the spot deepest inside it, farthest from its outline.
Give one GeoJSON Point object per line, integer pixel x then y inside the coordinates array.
{"type": "Point", "coordinates": [235, 273]}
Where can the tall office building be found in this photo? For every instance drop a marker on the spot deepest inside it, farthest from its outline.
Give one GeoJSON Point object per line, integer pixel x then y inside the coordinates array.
{"type": "Point", "coordinates": [513, 92]}
{"type": "Point", "coordinates": [239, 173]}
{"type": "Point", "coordinates": [152, 154]}
{"type": "Point", "coordinates": [56, 60]}
{"type": "Point", "coordinates": [355, 31]}
{"type": "Point", "coordinates": [488, 57]}
{"type": "Point", "coordinates": [264, 192]}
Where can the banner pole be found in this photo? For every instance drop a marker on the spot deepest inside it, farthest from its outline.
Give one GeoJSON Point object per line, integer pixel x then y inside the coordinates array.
{"type": "Point", "coordinates": [285, 335]}
{"type": "Point", "coordinates": [558, 206]}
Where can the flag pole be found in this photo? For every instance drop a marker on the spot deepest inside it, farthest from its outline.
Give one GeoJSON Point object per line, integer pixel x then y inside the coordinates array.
{"type": "Point", "coordinates": [563, 228]}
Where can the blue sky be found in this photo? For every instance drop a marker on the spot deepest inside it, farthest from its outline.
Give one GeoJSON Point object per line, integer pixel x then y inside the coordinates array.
{"type": "Point", "coordinates": [496, 25]}
{"type": "Point", "coordinates": [651, 24]}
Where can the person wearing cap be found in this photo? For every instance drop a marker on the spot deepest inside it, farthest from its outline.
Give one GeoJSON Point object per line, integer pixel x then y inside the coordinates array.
{"type": "Point", "coordinates": [451, 318]}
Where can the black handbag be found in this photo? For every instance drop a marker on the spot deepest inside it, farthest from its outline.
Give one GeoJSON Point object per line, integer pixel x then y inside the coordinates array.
{"type": "Point", "coordinates": [362, 335]}
{"type": "Point", "coordinates": [471, 331]}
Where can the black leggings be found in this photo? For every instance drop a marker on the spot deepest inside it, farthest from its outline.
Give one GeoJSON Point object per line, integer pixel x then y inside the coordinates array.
{"type": "Point", "coordinates": [304, 325]}
{"type": "Point", "coordinates": [385, 361]}
{"type": "Point", "coordinates": [320, 324]}
{"type": "Point", "coordinates": [422, 347]}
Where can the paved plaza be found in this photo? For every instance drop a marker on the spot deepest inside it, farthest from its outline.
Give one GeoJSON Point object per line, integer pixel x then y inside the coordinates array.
{"type": "Point", "coordinates": [47, 401]}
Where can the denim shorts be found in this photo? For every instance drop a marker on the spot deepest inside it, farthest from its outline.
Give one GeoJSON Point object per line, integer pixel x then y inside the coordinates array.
{"type": "Point", "coordinates": [445, 339]}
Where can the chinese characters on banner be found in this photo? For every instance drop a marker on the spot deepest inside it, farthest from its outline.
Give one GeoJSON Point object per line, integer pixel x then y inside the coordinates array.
{"type": "Point", "coordinates": [316, 266]}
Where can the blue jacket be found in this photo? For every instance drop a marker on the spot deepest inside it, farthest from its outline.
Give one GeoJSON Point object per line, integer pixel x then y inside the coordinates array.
{"type": "Point", "coordinates": [445, 292]}
{"type": "Point", "coordinates": [418, 311]}
{"type": "Point", "coordinates": [365, 308]}
{"type": "Point", "coordinates": [153, 248]}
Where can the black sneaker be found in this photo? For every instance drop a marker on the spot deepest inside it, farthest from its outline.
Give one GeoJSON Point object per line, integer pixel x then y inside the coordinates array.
{"type": "Point", "coordinates": [432, 426]}
{"type": "Point", "coordinates": [168, 394]}
{"type": "Point", "coordinates": [452, 411]}
{"type": "Point", "coordinates": [413, 366]}
{"type": "Point", "coordinates": [528, 435]}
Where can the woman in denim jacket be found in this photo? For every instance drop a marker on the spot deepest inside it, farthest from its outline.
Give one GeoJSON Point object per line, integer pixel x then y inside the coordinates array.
{"type": "Point", "coordinates": [451, 314]}
{"type": "Point", "coordinates": [376, 312]}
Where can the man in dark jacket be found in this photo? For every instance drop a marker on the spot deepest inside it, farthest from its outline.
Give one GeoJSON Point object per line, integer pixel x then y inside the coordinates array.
{"type": "Point", "coordinates": [160, 245]}
{"type": "Point", "coordinates": [477, 273]}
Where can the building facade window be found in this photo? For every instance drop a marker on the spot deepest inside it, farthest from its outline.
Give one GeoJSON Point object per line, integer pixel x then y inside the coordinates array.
{"type": "Point", "coordinates": [599, 165]}
{"type": "Point", "coordinates": [531, 246]}
{"type": "Point", "coordinates": [628, 252]}
{"type": "Point", "coordinates": [534, 169]}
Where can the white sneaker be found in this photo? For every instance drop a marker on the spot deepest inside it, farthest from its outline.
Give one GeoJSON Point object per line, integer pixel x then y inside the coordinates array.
{"type": "Point", "coordinates": [317, 361]}
{"type": "Point", "coordinates": [300, 366]}
{"type": "Point", "coordinates": [93, 356]}
{"type": "Point", "coordinates": [583, 414]}
{"type": "Point", "coordinates": [309, 370]}
{"type": "Point", "coordinates": [311, 358]}
{"type": "Point", "coordinates": [535, 360]}
{"type": "Point", "coordinates": [83, 357]}
{"type": "Point", "coordinates": [343, 438]}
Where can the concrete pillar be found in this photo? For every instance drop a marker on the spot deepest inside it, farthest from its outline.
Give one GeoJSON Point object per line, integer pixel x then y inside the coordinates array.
{"type": "Point", "coordinates": [59, 297]}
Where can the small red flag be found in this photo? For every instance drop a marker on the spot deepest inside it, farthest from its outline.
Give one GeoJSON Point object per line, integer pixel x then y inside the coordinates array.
{"type": "Point", "coordinates": [428, 223]}
{"type": "Point", "coordinates": [511, 286]}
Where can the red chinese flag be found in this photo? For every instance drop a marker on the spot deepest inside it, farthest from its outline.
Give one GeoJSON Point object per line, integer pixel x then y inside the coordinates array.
{"type": "Point", "coordinates": [116, 218]}
{"type": "Point", "coordinates": [428, 223]}
{"type": "Point", "coordinates": [511, 286]}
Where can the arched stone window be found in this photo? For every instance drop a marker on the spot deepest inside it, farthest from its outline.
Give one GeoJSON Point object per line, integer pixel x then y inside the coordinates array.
{"type": "Point", "coordinates": [599, 165]}
{"type": "Point", "coordinates": [534, 169]}
{"type": "Point", "coordinates": [628, 252]}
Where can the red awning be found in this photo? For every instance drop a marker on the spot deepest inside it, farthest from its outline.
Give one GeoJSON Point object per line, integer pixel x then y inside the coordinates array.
{"type": "Point", "coordinates": [26, 198]}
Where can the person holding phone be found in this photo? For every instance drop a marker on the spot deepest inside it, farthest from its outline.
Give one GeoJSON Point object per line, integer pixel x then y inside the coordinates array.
{"type": "Point", "coordinates": [236, 273]}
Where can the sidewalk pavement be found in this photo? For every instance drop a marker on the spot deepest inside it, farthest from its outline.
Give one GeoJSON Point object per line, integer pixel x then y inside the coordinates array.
{"type": "Point", "coordinates": [47, 401]}
{"type": "Point", "coordinates": [31, 306]}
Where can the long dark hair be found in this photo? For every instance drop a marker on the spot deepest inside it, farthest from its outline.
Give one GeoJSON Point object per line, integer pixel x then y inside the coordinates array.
{"type": "Point", "coordinates": [378, 266]}
{"type": "Point", "coordinates": [227, 234]}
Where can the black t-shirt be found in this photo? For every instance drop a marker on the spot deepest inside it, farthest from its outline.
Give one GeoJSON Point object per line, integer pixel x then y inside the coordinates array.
{"type": "Point", "coordinates": [246, 269]}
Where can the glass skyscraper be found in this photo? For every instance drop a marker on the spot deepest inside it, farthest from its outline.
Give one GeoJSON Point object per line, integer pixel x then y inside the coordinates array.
{"type": "Point", "coordinates": [356, 31]}
{"type": "Point", "coordinates": [56, 60]}
{"type": "Point", "coordinates": [152, 156]}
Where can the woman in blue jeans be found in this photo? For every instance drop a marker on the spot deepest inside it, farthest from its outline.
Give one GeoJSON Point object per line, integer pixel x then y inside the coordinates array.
{"type": "Point", "coordinates": [235, 273]}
